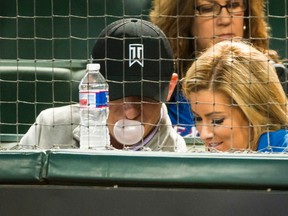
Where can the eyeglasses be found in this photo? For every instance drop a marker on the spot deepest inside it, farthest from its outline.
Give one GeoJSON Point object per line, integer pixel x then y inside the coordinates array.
{"type": "Point", "coordinates": [232, 7]}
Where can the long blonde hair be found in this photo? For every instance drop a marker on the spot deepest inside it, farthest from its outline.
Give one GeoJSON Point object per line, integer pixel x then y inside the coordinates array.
{"type": "Point", "coordinates": [174, 18]}
{"type": "Point", "coordinates": [245, 75]}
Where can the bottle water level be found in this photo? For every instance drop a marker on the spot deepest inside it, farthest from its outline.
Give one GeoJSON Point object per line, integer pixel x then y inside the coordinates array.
{"type": "Point", "coordinates": [94, 132]}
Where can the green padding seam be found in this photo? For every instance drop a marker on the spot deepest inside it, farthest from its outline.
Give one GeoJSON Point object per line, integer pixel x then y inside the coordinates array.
{"type": "Point", "coordinates": [22, 166]}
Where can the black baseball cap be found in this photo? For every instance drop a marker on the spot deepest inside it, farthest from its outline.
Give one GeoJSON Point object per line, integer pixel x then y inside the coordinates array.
{"type": "Point", "coordinates": [135, 58]}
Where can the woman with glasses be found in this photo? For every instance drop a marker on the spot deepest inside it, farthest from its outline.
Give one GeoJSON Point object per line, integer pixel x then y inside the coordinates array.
{"type": "Point", "coordinates": [193, 25]}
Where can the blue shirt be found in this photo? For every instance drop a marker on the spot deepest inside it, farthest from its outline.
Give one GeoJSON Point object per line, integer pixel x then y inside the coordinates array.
{"type": "Point", "coordinates": [276, 141]}
{"type": "Point", "coordinates": [182, 118]}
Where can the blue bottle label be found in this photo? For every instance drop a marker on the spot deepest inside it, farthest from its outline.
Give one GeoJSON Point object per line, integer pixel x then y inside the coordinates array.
{"type": "Point", "coordinates": [97, 99]}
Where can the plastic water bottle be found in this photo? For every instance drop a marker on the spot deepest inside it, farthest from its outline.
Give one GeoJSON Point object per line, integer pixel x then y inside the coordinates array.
{"type": "Point", "coordinates": [94, 110]}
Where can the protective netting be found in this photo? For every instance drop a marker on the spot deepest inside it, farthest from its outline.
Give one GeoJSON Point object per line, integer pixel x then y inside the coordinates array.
{"type": "Point", "coordinates": [46, 44]}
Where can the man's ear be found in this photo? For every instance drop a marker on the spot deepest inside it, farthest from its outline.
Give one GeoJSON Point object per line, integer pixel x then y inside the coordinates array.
{"type": "Point", "coordinates": [172, 85]}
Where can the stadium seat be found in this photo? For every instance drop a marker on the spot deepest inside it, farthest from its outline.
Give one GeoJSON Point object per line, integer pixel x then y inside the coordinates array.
{"type": "Point", "coordinates": [25, 91]}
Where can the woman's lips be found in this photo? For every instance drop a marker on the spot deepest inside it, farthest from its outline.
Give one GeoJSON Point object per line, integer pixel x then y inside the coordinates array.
{"type": "Point", "coordinates": [225, 36]}
{"type": "Point", "coordinates": [214, 145]}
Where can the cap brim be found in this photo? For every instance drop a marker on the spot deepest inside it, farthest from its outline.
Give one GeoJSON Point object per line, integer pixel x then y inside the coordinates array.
{"type": "Point", "coordinates": [142, 89]}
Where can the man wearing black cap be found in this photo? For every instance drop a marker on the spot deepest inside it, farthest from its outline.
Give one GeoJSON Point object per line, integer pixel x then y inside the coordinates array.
{"type": "Point", "coordinates": [136, 60]}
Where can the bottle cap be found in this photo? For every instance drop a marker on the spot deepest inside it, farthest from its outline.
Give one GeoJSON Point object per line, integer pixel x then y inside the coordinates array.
{"type": "Point", "coordinates": [93, 67]}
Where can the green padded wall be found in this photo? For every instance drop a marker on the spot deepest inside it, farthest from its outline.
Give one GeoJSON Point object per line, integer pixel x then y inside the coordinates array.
{"type": "Point", "coordinates": [22, 166]}
{"type": "Point", "coordinates": [153, 169]}
{"type": "Point", "coordinates": [59, 182]}
{"type": "Point", "coordinates": [168, 169]}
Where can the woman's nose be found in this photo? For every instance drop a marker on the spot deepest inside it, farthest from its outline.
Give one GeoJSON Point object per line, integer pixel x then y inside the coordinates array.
{"type": "Point", "coordinates": [132, 111]}
{"type": "Point", "coordinates": [206, 131]}
{"type": "Point", "coordinates": [224, 18]}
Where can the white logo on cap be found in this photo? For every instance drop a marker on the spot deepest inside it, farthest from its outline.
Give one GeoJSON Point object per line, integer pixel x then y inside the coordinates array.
{"type": "Point", "coordinates": [136, 54]}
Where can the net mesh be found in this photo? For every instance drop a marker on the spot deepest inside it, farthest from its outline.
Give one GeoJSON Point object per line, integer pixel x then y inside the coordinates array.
{"type": "Point", "coordinates": [46, 44]}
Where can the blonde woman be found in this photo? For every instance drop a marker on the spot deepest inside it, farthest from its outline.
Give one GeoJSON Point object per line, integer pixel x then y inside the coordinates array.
{"type": "Point", "coordinates": [194, 25]}
{"type": "Point", "coordinates": [237, 99]}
